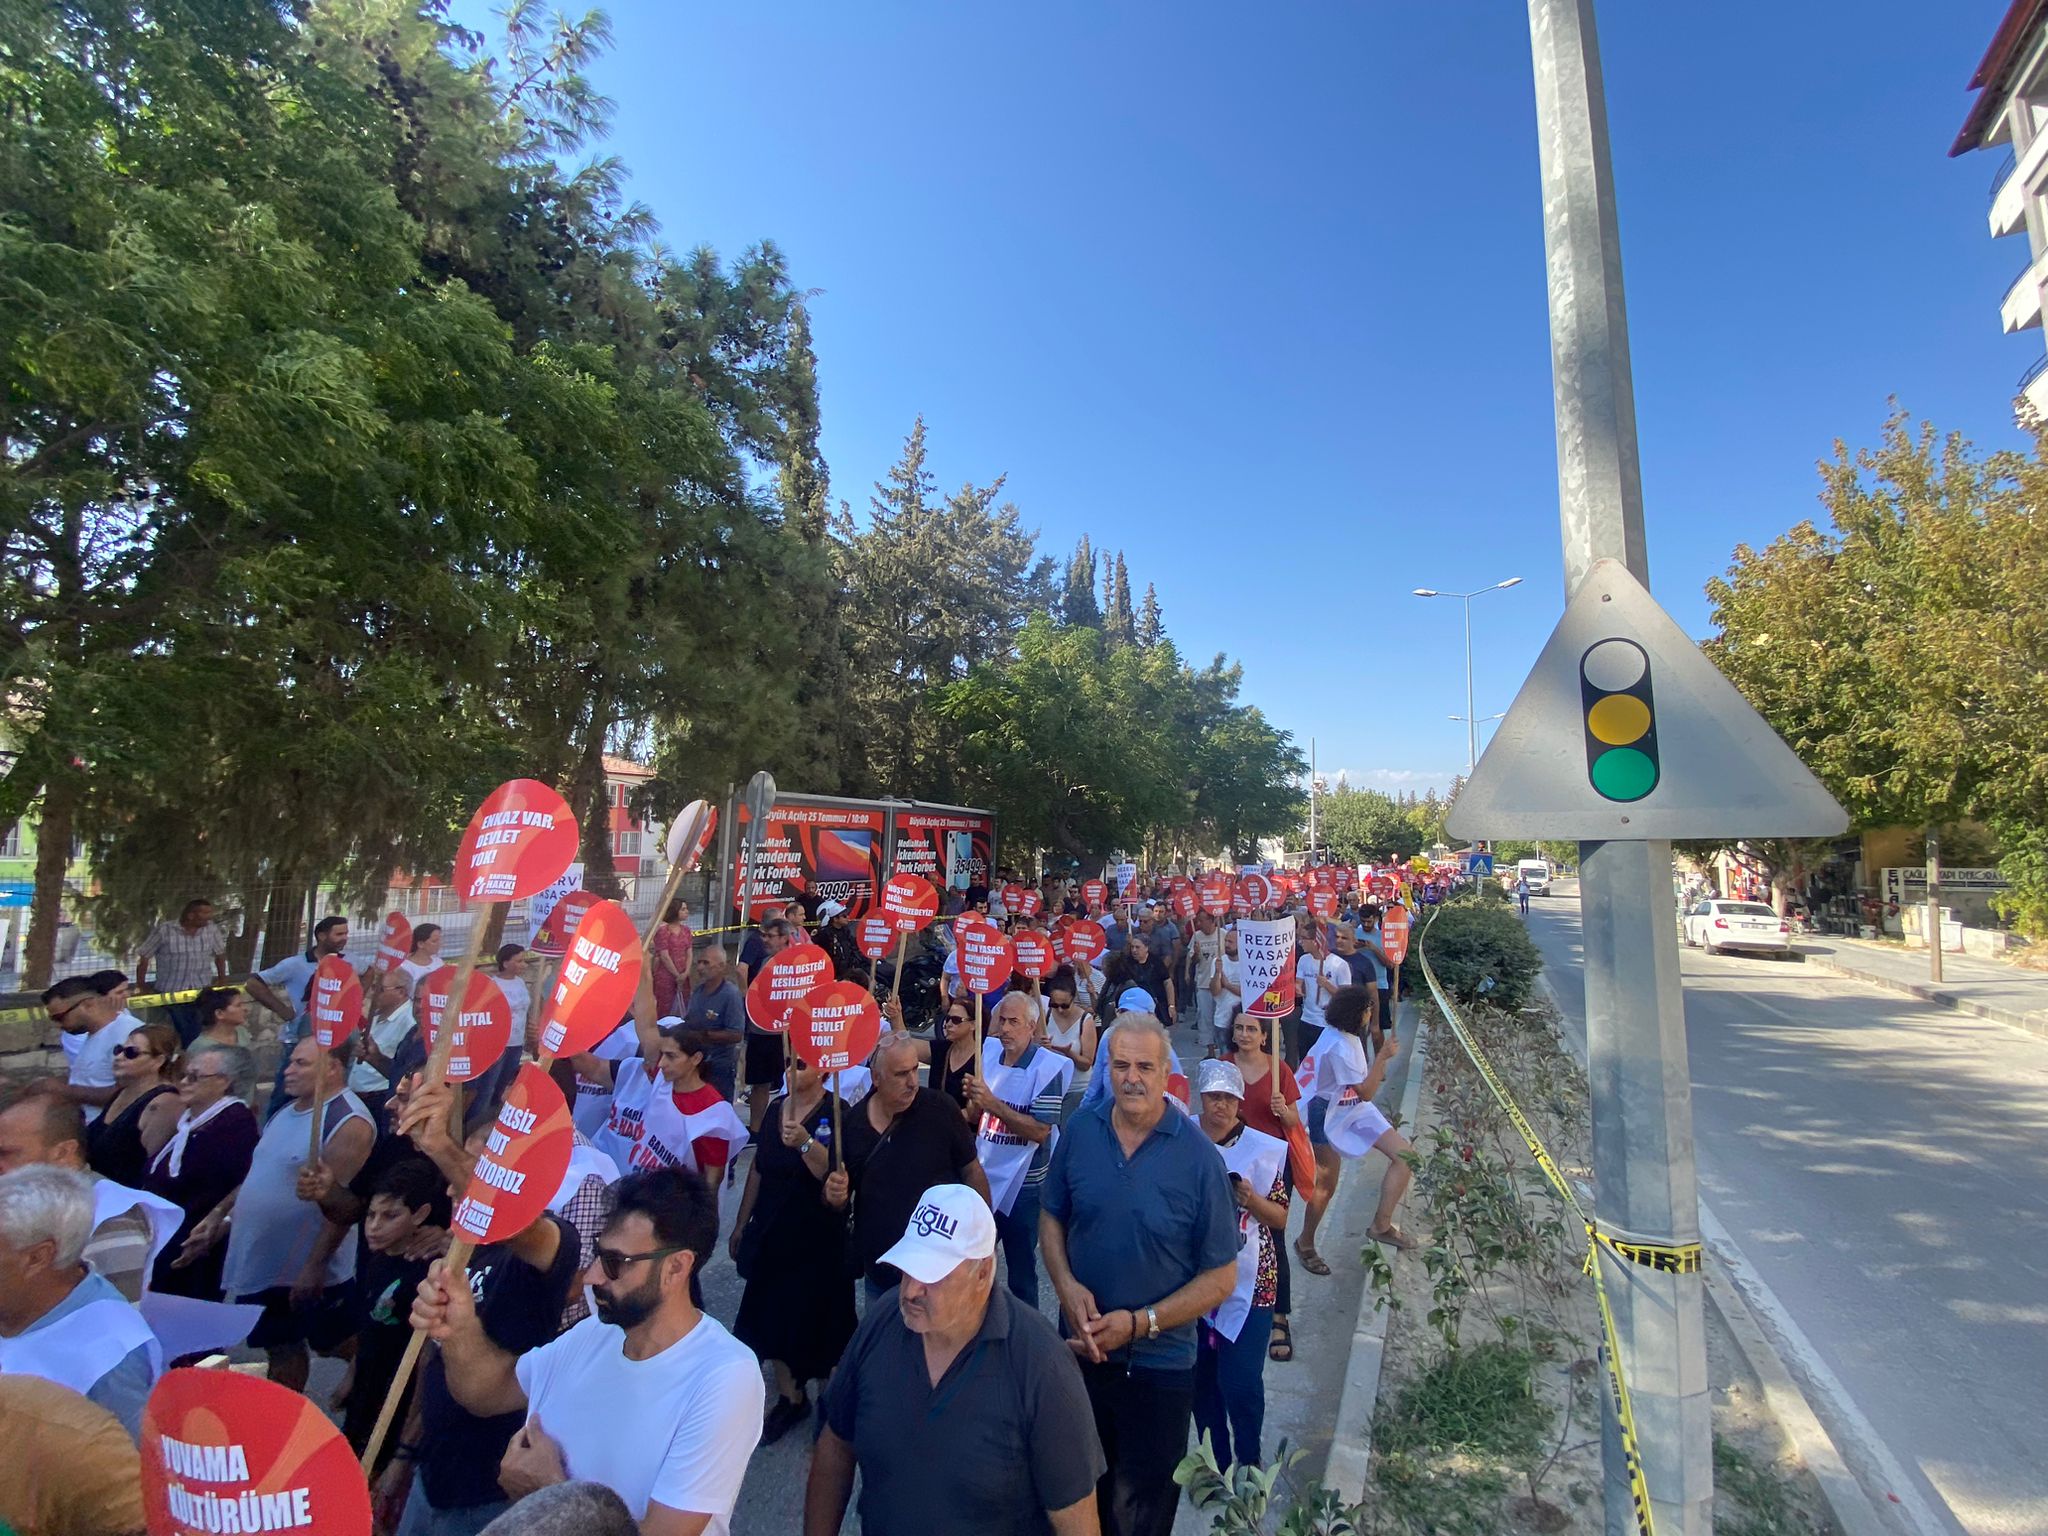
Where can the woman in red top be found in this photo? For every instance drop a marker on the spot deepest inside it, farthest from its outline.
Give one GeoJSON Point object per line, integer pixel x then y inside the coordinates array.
{"type": "Point", "coordinates": [1270, 1097]}
{"type": "Point", "coordinates": [681, 1064]}
{"type": "Point", "coordinates": [673, 942]}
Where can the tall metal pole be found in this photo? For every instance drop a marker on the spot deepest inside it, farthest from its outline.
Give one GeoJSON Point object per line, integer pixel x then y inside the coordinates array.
{"type": "Point", "coordinates": [1635, 1015]}
{"type": "Point", "coordinates": [1471, 729]}
{"type": "Point", "coordinates": [1933, 920]}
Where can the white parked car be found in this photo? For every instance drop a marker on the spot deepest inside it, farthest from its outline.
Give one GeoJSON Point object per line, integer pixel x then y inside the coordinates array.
{"type": "Point", "coordinates": [1716, 925]}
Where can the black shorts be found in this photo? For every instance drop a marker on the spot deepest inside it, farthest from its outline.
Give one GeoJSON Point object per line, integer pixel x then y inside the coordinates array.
{"type": "Point", "coordinates": [325, 1325]}
{"type": "Point", "coordinates": [764, 1060]}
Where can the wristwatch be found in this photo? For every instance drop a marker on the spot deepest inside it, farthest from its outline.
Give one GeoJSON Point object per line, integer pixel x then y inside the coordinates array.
{"type": "Point", "coordinates": [809, 1142]}
{"type": "Point", "coordinates": [1151, 1322]}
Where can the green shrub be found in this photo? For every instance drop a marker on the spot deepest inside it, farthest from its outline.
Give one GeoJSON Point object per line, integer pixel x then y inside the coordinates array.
{"type": "Point", "coordinates": [1481, 954]}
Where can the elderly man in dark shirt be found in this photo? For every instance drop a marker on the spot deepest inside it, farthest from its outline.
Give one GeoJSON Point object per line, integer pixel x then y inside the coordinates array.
{"type": "Point", "coordinates": [961, 1409]}
{"type": "Point", "coordinates": [1139, 1234]}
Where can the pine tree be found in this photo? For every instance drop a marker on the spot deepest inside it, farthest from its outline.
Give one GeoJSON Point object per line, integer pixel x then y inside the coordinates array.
{"type": "Point", "coordinates": [1151, 624]}
{"type": "Point", "coordinates": [1078, 608]}
{"type": "Point", "coordinates": [1119, 623]}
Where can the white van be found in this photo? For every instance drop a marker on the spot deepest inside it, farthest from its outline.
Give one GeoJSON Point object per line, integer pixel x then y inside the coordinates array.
{"type": "Point", "coordinates": [1537, 873]}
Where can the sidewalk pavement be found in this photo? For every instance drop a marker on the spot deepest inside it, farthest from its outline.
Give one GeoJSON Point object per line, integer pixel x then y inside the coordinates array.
{"type": "Point", "coordinates": [2005, 994]}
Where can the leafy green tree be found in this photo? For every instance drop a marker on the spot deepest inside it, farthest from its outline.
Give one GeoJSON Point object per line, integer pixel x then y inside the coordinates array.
{"type": "Point", "coordinates": [1119, 622]}
{"type": "Point", "coordinates": [1363, 825]}
{"type": "Point", "coordinates": [1899, 649]}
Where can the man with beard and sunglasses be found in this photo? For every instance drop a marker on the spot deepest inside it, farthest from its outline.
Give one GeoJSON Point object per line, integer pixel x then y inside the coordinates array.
{"type": "Point", "coordinates": [650, 1397]}
{"type": "Point", "coordinates": [452, 1439]}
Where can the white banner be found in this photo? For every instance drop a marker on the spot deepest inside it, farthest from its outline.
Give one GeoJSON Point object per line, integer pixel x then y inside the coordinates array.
{"type": "Point", "coordinates": [1265, 957]}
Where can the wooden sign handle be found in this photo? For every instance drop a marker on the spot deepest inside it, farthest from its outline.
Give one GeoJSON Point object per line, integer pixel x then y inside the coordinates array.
{"type": "Point", "coordinates": [836, 1164]}
{"type": "Point", "coordinates": [896, 979]}
{"type": "Point", "coordinates": [458, 992]}
{"type": "Point", "coordinates": [456, 1273]}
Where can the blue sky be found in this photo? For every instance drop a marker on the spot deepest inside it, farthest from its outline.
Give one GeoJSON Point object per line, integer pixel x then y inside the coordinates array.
{"type": "Point", "coordinates": [1256, 294]}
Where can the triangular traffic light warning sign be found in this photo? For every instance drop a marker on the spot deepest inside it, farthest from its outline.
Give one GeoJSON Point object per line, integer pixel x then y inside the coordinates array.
{"type": "Point", "coordinates": [1625, 731]}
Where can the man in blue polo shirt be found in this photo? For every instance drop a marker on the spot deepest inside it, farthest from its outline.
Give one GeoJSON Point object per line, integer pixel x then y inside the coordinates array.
{"type": "Point", "coordinates": [1139, 1234]}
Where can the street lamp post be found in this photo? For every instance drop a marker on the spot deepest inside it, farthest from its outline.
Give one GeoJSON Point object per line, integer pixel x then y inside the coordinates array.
{"type": "Point", "coordinates": [1471, 727]}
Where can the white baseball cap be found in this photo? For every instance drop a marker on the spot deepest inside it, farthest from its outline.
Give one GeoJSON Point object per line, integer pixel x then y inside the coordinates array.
{"type": "Point", "coordinates": [951, 1225]}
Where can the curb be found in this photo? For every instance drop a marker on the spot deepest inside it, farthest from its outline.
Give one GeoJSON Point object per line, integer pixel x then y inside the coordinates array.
{"type": "Point", "coordinates": [2035, 1023]}
{"type": "Point", "coordinates": [1350, 1461]}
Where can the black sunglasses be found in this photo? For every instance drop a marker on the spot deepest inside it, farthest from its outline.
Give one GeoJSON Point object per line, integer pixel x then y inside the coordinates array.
{"type": "Point", "coordinates": [131, 1052]}
{"type": "Point", "coordinates": [958, 1018]}
{"type": "Point", "coordinates": [615, 1261]}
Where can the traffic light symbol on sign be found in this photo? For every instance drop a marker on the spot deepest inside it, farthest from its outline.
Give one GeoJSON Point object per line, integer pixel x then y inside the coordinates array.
{"type": "Point", "coordinates": [1620, 720]}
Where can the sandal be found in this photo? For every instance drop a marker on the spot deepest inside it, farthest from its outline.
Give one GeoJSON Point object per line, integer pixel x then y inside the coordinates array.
{"type": "Point", "coordinates": [1311, 1260]}
{"type": "Point", "coordinates": [1393, 1236]}
{"type": "Point", "coordinates": [1282, 1345]}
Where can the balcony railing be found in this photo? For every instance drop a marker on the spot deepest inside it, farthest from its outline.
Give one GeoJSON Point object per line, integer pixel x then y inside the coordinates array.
{"type": "Point", "coordinates": [2013, 287]}
{"type": "Point", "coordinates": [2004, 174]}
{"type": "Point", "coordinates": [2033, 373]}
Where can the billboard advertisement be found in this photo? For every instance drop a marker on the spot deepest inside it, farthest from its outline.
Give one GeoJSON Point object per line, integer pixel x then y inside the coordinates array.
{"type": "Point", "coordinates": [830, 848]}
{"type": "Point", "coordinates": [951, 846]}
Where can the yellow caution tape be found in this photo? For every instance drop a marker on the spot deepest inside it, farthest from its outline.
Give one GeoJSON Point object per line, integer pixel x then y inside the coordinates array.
{"type": "Point", "coordinates": [1677, 1259]}
{"type": "Point", "coordinates": [148, 1000]}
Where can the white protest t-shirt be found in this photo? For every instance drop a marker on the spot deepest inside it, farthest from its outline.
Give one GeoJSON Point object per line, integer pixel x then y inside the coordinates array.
{"type": "Point", "coordinates": [692, 1415]}
{"type": "Point", "coordinates": [1306, 969]}
{"type": "Point", "coordinates": [93, 1066]}
{"type": "Point", "coordinates": [593, 1104]}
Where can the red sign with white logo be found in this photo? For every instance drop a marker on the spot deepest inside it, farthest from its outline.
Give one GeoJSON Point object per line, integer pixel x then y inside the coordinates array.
{"type": "Point", "coordinates": [483, 1026]}
{"type": "Point", "coordinates": [1214, 889]}
{"type": "Point", "coordinates": [215, 1441]}
{"type": "Point", "coordinates": [1323, 903]}
{"type": "Point", "coordinates": [596, 983]}
{"type": "Point", "coordinates": [522, 1164]}
{"type": "Point", "coordinates": [836, 1027]}
{"type": "Point", "coordinates": [1086, 942]}
{"type": "Point", "coordinates": [986, 957]}
{"type": "Point", "coordinates": [1183, 900]}
{"type": "Point", "coordinates": [1093, 894]}
{"type": "Point", "coordinates": [909, 902]}
{"type": "Point", "coordinates": [874, 934]}
{"type": "Point", "coordinates": [1255, 891]}
{"type": "Point", "coordinates": [337, 1002]}
{"type": "Point", "coordinates": [1030, 902]}
{"type": "Point", "coordinates": [1394, 933]}
{"type": "Point", "coordinates": [394, 941]}
{"type": "Point", "coordinates": [1035, 958]}
{"type": "Point", "coordinates": [775, 996]}
{"type": "Point", "coordinates": [552, 937]}
{"type": "Point", "coordinates": [518, 843]}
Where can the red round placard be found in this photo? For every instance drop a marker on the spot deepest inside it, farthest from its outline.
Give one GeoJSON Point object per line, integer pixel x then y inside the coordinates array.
{"type": "Point", "coordinates": [1394, 933]}
{"type": "Point", "coordinates": [1254, 891]}
{"type": "Point", "coordinates": [1086, 942]}
{"type": "Point", "coordinates": [522, 1164]}
{"type": "Point", "coordinates": [774, 996]}
{"type": "Point", "coordinates": [552, 936]}
{"type": "Point", "coordinates": [482, 1030]}
{"type": "Point", "coordinates": [909, 902]}
{"type": "Point", "coordinates": [518, 843]}
{"type": "Point", "coordinates": [1214, 889]}
{"type": "Point", "coordinates": [1093, 894]}
{"type": "Point", "coordinates": [215, 1441]}
{"type": "Point", "coordinates": [336, 1005]}
{"type": "Point", "coordinates": [596, 983]}
{"type": "Point", "coordinates": [875, 935]}
{"type": "Point", "coordinates": [394, 941]}
{"type": "Point", "coordinates": [1035, 958]}
{"type": "Point", "coordinates": [836, 1026]}
{"type": "Point", "coordinates": [986, 957]}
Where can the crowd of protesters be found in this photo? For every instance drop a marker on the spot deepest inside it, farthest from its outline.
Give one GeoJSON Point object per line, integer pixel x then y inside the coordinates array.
{"type": "Point", "coordinates": [1046, 1126]}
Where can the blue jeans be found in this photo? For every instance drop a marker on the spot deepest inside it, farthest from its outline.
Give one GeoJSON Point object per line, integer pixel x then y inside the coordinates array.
{"type": "Point", "coordinates": [1018, 1233]}
{"type": "Point", "coordinates": [422, 1519]}
{"type": "Point", "coordinates": [1230, 1388]}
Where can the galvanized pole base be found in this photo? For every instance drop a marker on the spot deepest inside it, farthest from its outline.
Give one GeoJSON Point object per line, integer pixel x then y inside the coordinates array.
{"type": "Point", "coordinates": [1647, 1191]}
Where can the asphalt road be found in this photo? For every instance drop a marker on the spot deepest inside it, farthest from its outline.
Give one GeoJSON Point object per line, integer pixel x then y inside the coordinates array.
{"type": "Point", "coordinates": [1883, 1165]}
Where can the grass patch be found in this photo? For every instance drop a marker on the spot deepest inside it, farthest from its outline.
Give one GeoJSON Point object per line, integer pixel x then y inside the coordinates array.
{"type": "Point", "coordinates": [1751, 1498]}
{"type": "Point", "coordinates": [1481, 1400]}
